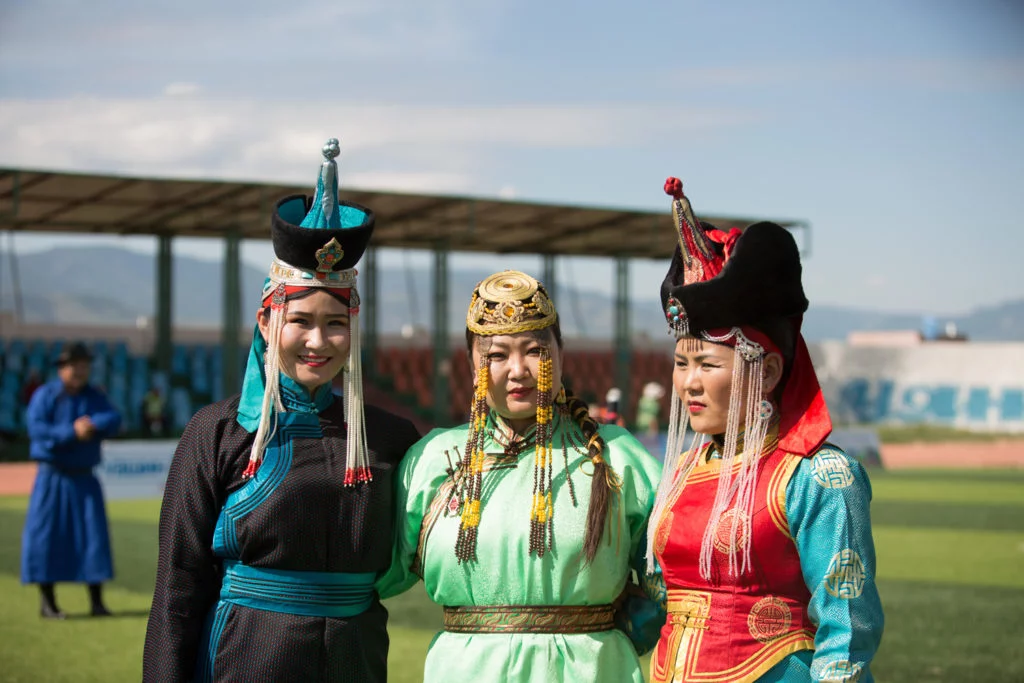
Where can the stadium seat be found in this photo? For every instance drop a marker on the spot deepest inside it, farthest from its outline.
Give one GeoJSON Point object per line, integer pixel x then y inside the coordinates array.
{"type": "Point", "coordinates": [180, 408]}
{"type": "Point", "coordinates": [9, 421]}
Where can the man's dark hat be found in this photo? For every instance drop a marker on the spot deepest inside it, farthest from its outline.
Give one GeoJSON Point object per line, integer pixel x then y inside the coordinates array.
{"type": "Point", "coordinates": [75, 352]}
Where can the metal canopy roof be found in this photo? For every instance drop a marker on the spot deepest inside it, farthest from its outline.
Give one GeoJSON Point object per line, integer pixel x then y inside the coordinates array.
{"type": "Point", "coordinates": [32, 200]}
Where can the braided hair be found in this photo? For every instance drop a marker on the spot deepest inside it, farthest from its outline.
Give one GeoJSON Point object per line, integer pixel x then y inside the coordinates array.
{"type": "Point", "coordinates": [604, 481]}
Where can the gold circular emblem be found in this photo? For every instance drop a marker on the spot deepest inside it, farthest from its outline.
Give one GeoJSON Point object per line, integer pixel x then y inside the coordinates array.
{"type": "Point", "coordinates": [723, 532]}
{"type": "Point", "coordinates": [769, 618]}
{"type": "Point", "coordinates": [508, 285]}
{"type": "Point", "coordinates": [831, 470]}
{"type": "Point", "coordinates": [845, 671]}
{"type": "Point", "coordinates": [510, 312]}
{"type": "Point", "coordinates": [508, 303]}
{"type": "Point", "coordinates": [846, 575]}
{"type": "Point", "coordinates": [543, 304]}
{"type": "Point", "coordinates": [477, 309]}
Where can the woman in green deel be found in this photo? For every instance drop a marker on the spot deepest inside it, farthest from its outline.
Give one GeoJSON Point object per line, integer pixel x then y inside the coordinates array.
{"type": "Point", "coordinates": [526, 523]}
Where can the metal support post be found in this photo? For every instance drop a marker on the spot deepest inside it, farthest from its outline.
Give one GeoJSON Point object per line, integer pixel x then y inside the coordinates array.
{"type": "Point", "coordinates": [442, 364]}
{"type": "Point", "coordinates": [549, 278]}
{"type": "Point", "coordinates": [230, 354]}
{"type": "Point", "coordinates": [164, 305]}
{"type": "Point", "coordinates": [623, 352]}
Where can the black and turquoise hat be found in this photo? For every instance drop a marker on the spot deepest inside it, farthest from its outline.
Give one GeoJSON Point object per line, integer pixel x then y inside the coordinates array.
{"type": "Point", "coordinates": [321, 235]}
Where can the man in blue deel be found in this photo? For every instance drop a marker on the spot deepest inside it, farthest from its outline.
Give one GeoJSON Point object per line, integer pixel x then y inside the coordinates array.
{"type": "Point", "coordinates": [66, 538]}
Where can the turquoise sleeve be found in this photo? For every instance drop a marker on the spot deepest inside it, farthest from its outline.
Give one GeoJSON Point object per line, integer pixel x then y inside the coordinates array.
{"type": "Point", "coordinates": [827, 505]}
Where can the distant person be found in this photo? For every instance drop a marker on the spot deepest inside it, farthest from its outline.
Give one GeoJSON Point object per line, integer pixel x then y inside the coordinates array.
{"type": "Point", "coordinates": [153, 412]}
{"type": "Point", "coordinates": [277, 513]}
{"type": "Point", "coordinates": [32, 382]}
{"type": "Point", "coordinates": [649, 408]}
{"type": "Point", "coordinates": [611, 412]}
{"type": "Point", "coordinates": [66, 538]}
{"type": "Point", "coordinates": [594, 407]}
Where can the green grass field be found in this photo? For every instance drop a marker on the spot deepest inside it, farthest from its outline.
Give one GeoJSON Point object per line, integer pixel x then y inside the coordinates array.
{"type": "Point", "coordinates": [950, 566]}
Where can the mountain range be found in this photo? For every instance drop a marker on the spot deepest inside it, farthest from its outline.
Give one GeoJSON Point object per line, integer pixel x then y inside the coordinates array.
{"type": "Point", "coordinates": [110, 285]}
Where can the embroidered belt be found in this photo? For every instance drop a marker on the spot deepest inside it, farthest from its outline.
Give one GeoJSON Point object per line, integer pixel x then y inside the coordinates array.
{"type": "Point", "coordinates": [313, 594]}
{"type": "Point", "coordinates": [530, 619]}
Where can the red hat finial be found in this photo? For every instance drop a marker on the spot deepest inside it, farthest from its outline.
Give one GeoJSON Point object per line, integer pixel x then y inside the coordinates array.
{"type": "Point", "coordinates": [674, 188]}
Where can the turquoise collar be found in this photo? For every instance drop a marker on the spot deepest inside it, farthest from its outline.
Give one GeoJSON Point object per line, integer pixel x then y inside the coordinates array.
{"type": "Point", "coordinates": [294, 396]}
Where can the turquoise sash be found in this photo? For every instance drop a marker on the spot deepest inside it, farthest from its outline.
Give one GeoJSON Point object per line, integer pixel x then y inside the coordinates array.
{"type": "Point", "coordinates": [313, 594]}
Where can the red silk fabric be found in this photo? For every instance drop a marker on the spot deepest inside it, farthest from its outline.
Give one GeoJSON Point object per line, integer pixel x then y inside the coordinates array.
{"type": "Point", "coordinates": [730, 628]}
{"type": "Point", "coordinates": [726, 239]}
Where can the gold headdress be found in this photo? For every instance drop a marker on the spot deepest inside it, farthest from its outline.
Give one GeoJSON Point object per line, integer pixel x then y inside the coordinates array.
{"type": "Point", "coordinates": [512, 302]}
{"type": "Point", "coordinates": [508, 303]}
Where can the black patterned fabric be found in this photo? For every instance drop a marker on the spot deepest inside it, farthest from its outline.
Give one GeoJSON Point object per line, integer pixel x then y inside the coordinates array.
{"type": "Point", "coordinates": [309, 523]}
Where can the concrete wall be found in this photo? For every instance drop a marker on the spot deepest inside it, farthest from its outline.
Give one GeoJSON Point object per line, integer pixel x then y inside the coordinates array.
{"type": "Point", "coordinates": [977, 386]}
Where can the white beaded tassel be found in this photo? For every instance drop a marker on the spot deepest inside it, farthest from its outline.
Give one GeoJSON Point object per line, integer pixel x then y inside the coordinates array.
{"type": "Point", "coordinates": [745, 396]}
{"type": "Point", "coordinates": [672, 470]}
{"type": "Point", "coordinates": [755, 431]}
{"type": "Point", "coordinates": [271, 392]}
{"type": "Point", "coordinates": [726, 490]}
{"type": "Point", "coordinates": [357, 467]}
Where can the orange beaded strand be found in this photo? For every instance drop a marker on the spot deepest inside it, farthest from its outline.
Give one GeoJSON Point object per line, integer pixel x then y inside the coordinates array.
{"type": "Point", "coordinates": [465, 544]}
{"type": "Point", "coordinates": [542, 512]}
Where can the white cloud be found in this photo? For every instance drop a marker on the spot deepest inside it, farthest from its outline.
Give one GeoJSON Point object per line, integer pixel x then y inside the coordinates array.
{"type": "Point", "coordinates": [182, 89]}
{"type": "Point", "coordinates": [414, 148]}
{"type": "Point", "coordinates": [933, 74]}
{"type": "Point", "coordinates": [194, 31]}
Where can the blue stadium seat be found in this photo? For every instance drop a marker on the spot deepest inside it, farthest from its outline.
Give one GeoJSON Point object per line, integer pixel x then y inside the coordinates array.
{"type": "Point", "coordinates": [119, 359]}
{"type": "Point", "coordinates": [180, 408]}
{"type": "Point", "coordinates": [9, 421]}
{"type": "Point", "coordinates": [215, 365]}
{"type": "Point", "coordinates": [200, 372]}
{"type": "Point", "coordinates": [159, 380]}
{"type": "Point", "coordinates": [14, 360]}
{"type": "Point", "coordinates": [56, 346]}
{"type": "Point", "coordinates": [10, 382]}
{"type": "Point", "coordinates": [180, 360]}
{"type": "Point", "coordinates": [9, 399]}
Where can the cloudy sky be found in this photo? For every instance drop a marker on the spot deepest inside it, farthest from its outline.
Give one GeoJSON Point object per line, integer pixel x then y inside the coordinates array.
{"type": "Point", "coordinates": [894, 127]}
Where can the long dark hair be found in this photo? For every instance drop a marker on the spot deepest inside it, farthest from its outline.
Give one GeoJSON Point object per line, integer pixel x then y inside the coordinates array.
{"type": "Point", "coordinates": [602, 481]}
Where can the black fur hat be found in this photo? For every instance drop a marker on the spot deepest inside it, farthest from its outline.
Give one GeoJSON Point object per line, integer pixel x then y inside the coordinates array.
{"type": "Point", "coordinates": [321, 234]}
{"type": "Point", "coordinates": [298, 246]}
{"type": "Point", "coordinates": [759, 283]}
